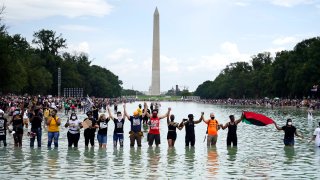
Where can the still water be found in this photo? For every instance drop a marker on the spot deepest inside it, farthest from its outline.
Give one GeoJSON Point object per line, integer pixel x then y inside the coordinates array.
{"type": "Point", "coordinates": [260, 153]}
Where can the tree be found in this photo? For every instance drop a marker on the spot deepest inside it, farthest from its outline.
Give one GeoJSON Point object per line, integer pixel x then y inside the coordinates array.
{"type": "Point", "coordinates": [48, 42]}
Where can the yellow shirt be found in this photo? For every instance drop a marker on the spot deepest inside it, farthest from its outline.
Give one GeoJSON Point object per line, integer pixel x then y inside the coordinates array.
{"type": "Point", "coordinates": [139, 111]}
{"type": "Point", "coordinates": [53, 126]}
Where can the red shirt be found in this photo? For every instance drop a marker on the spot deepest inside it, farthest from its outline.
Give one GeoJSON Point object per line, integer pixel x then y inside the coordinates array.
{"type": "Point", "coordinates": [154, 127]}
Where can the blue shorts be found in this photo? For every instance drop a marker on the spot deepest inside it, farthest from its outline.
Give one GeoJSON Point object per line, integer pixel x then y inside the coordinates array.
{"type": "Point", "coordinates": [117, 137]}
{"type": "Point", "coordinates": [288, 142]}
{"type": "Point", "coordinates": [102, 138]}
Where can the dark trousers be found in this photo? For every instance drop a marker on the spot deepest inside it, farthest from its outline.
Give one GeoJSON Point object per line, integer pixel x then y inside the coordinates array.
{"type": "Point", "coordinates": [233, 140]}
{"type": "Point", "coordinates": [38, 132]}
{"type": "Point", "coordinates": [190, 139]}
{"type": "Point", "coordinates": [88, 136]}
{"type": "Point", "coordinates": [3, 138]}
{"type": "Point", "coordinates": [73, 139]}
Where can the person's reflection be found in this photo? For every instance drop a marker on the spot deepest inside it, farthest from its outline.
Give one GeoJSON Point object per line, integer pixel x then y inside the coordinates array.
{"type": "Point", "coordinates": [36, 157]}
{"type": "Point", "coordinates": [18, 159]}
{"type": "Point", "coordinates": [73, 154]}
{"type": "Point", "coordinates": [135, 161]}
{"type": "Point", "coordinates": [153, 161]}
{"type": "Point", "coordinates": [118, 157]}
{"type": "Point", "coordinates": [232, 153]}
{"type": "Point", "coordinates": [171, 157]}
{"type": "Point", "coordinates": [88, 152]}
{"type": "Point", "coordinates": [53, 156]}
{"type": "Point", "coordinates": [289, 153]}
{"type": "Point", "coordinates": [212, 161]}
{"type": "Point", "coordinates": [189, 158]}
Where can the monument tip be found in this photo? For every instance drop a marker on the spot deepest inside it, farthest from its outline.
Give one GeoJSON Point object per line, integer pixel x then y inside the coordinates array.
{"type": "Point", "coordinates": [156, 11]}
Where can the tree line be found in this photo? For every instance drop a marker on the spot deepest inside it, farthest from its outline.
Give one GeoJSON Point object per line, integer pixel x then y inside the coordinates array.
{"type": "Point", "coordinates": [34, 69]}
{"type": "Point", "coordinates": [290, 74]}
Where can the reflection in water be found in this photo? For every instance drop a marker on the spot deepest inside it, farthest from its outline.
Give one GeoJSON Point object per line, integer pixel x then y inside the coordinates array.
{"type": "Point", "coordinates": [232, 153]}
{"type": "Point", "coordinates": [53, 157]}
{"type": "Point", "coordinates": [17, 160]}
{"type": "Point", "coordinates": [135, 162]}
{"type": "Point", "coordinates": [36, 157]}
{"type": "Point", "coordinates": [189, 159]}
{"type": "Point", "coordinates": [73, 155]}
{"type": "Point", "coordinates": [153, 161]}
{"type": "Point", "coordinates": [212, 164]}
{"type": "Point", "coordinates": [171, 161]}
{"type": "Point", "coordinates": [289, 153]}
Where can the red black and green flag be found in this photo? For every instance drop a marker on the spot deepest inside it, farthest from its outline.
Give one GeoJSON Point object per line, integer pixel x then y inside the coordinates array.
{"type": "Point", "coordinates": [256, 119]}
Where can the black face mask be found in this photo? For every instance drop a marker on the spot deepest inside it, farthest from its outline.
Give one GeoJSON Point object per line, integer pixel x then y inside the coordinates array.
{"type": "Point", "coordinates": [212, 118]}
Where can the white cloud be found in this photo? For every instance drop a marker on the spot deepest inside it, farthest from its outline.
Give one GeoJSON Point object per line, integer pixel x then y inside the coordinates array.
{"type": "Point", "coordinates": [284, 40]}
{"type": "Point", "coordinates": [218, 61]}
{"type": "Point", "coordinates": [80, 28]}
{"type": "Point", "coordinates": [170, 64]}
{"type": "Point", "coordinates": [81, 47]}
{"type": "Point", "coordinates": [40, 9]}
{"type": "Point", "coordinates": [120, 54]}
{"type": "Point", "coordinates": [291, 3]}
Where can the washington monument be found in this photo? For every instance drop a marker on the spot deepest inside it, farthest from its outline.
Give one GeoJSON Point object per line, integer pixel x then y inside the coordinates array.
{"type": "Point", "coordinates": [155, 83]}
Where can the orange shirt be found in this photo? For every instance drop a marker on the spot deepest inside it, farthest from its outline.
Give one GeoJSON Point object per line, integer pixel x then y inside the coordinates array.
{"type": "Point", "coordinates": [212, 127]}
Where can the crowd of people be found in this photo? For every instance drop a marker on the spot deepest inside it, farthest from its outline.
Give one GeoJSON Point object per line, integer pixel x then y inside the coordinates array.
{"type": "Point", "coordinates": [266, 102]}
{"type": "Point", "coordinates": [40, 112]}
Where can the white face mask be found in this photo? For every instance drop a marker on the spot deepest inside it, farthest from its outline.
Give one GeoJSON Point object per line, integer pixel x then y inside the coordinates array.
{"type": "Point", "coordinates": [73, 117]}
{"type": "Point", "coordinates": [289, 123]}
{"type": "Point", "coordinates": [119, 117]}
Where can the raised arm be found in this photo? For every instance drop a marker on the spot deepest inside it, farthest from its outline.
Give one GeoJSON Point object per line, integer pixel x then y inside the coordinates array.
{"type": "Point", "coordinates": [201, 117]}
{"type": "Point", "coordinates": [163, 116]}
{"type": "Point", "coordinates": [279, 128]}
{"type": "Point", "coordinates": [109, 112]}
{"type": "Point", "coordinates": [145, 110]}
{"type": "Point", "coordinates": [224, 126]}
{"type": "Point", "coordinates": [125, 114]}
{"type": "Point", "coordinates": [240, 119]}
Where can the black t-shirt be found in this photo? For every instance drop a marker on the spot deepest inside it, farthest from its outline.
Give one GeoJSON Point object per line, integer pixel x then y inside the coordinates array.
{"type": "Point", "coordinates": [289, 132]}
{"type": "Point", "coordinates": [17, 125]}
{"type": "Point", "coordinates": [103, 126]}
{"type": "Point", "coordinates": [3, 126]}
{"type": "Point", "coordinates": [135, 123]}
{"type": "Point", "coordinates": [36, 122]}
{"type": "Point", "coordinates": [91, 130]}
{"type": "Point", "coordinates": [189, 128]}
{"type": "Point", "coordinates": [118, 126]}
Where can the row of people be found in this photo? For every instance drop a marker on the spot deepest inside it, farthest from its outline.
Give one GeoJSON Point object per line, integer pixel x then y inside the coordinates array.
{"type": "Point", "coordinates": [90, 124]}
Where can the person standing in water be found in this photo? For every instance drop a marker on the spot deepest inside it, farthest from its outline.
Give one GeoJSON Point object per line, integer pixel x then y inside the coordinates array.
{"type": "Point", "coordinates": [212, 130]}
{"type": "Point", "coordinates": [102, 125]}
{"type": "Point", "coordinates": [3, 128]}
{"type": "Point", "coordinates": [316, 136]}
{"type": "Point", "coordinates": [136, 121]}
{"type": "Point", "coordinates": [118, 128]}
{"type": "Point", "coordinates": [17, 125]}
{"type": "Point", "coordinates": [172, 130]}
{"type": "Point", "coordinates": [89, 133]}
{"type": "Point", "coordinates": [154, 123]}
{"type": "Point", "coordinates": [53, 123]}
{"type": "Point", "coordinates": [289, 132]}
{"type": "Point", "coordinates": [232, 130]}
{"type": "Point", "coordinates": [74, 130]}
{"type": "Point", "coordinates": [189, 126]}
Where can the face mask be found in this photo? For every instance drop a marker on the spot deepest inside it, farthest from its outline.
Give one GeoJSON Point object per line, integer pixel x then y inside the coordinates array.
{"type": "Point", "coordinates": [212, 118]}
{"type": "Point", "coordinates": [154, 114]}
{"type": "Point", "coordinates": [119, 117]}
{"type": "Point", "coordinates": [73, 117]}
{"type": "Point", "coordinates": [289, 123]}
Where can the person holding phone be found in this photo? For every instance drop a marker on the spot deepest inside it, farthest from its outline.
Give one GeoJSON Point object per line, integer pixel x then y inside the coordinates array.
{"type": "Point", "coordinates": [189, 123]}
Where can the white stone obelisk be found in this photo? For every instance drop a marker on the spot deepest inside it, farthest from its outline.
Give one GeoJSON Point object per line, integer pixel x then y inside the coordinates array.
{"type": "Point", "coordinates": [155, 84]}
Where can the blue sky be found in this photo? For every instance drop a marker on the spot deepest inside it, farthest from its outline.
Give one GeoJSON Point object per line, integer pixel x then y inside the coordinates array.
{"type": "Point", "coordinates": [198, 38]}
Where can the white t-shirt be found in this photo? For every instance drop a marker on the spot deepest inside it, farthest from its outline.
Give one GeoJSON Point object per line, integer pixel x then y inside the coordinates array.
{"type": "Point", "coordinates": [317, 134]}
